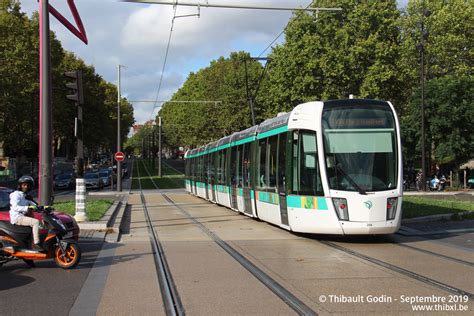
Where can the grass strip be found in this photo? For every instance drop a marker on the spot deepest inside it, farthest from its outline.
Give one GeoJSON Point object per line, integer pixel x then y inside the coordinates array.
{"type": "Point", "coordinates": [171, 179]}
{"type": "Point", "coordinates": [419, 206]}
{"type": "Point", "coordinates": [95, 209]}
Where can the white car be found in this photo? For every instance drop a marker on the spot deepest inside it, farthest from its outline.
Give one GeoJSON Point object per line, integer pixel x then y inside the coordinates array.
{"type": "Point", "coordinates": [93, 180]}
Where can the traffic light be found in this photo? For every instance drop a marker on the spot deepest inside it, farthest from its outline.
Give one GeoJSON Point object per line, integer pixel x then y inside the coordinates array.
{"type": "Point", "coordinates": [76, 86]}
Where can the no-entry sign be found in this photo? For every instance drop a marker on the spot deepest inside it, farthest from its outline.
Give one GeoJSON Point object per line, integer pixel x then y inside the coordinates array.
{"type": "Point", "coordinates": [119, 156]}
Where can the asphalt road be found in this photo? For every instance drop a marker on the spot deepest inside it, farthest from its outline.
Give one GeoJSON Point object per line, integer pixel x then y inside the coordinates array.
{"type": "Point", "coordinates": [46, 289]}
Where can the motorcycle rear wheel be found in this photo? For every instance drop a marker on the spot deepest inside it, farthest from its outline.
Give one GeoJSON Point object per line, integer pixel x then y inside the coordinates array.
{"type": "Point", "coordinates": [71, 257]}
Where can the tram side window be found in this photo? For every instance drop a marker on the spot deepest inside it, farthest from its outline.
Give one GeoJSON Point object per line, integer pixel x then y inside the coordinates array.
{"type": "Point", "coordinates": [186, 168]}
{"type": "Point", "coordinates": [223, 167]}
{"type": "Point", "coordinates": [219, 167]}
{"type": "Point", "coordinates": [246, 164]}
{"type": "Point", "coordinates": [306, 176]}
{"type": "Point", "coordinates": [239, 160]}
{"type": "Point", "coordinates": [216, 167]}
{"type": "Point", "coordinates": [272, 161]}
{"type": "Point", "coordinates": [204, 168]}
{"type": "Point", "coordinates": [198, 170]}
{"type": "Point", "coordinates": [262, 176]}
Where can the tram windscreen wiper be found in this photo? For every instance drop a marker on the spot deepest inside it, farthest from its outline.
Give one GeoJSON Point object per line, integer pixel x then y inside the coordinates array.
{"type": "Point", "coordinates": [351, 181]}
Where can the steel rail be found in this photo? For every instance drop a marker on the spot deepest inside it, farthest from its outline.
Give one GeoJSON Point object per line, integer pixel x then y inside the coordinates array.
{"type": "Point", "coordinates": [286, 296]}
{"type": "Point", "coordinates": [171, 300]}
{"type": "Point", "coordinates": [469, 263]}
{"type": "Point", "coordinates": [410, 274]}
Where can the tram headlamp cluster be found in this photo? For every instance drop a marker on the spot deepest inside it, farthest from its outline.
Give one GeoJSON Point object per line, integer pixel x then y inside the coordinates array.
{"type": "Point", "coordinates": [341, 208]}
{"type": "Point", "coordinates": [392, 208]}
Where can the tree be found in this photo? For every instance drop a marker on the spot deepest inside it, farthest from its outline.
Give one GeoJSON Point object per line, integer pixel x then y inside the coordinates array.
{"type": "Point", "coordinates": [449, 117]}
{"type": "Point", "coordinates": [17, 74]}
{"type": "Point", "coordinates": [334, 54]}
{"type": "Point", "coordinates": [19, 90]}
{"type": "Point", "coordinates": [448, 51]}
{"type": "Point", "coordinates": [191, 124]}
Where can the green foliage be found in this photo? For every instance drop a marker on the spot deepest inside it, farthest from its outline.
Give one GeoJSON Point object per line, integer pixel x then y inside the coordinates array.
{"type": "Point", "coordinates": [224, 80]}
{"type": "Point", "coordinates": [19, 90]}
{"type": "Point", "coordinates": [332, 55]}
{"type": "Point", "coordinates": [449, 120]}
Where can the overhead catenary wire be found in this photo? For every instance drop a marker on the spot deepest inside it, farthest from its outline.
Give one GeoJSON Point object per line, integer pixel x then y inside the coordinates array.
{"type": "Point", "coordinates": [165, 60]}
{"type": "Point", "coordinates": [281, 33]}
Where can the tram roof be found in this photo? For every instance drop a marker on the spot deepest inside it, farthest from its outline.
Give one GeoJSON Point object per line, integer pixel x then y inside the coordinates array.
{"type": "Point", "coordinates": [249, 132]}
{"type": "Point", "coordinates": [274, 123]}
{"type": "Point", "coordinates": [225, 140]}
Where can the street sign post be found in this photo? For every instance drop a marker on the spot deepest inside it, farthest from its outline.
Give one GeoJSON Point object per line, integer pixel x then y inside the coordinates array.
{"type": "Point", "coordinates": [119, 156]}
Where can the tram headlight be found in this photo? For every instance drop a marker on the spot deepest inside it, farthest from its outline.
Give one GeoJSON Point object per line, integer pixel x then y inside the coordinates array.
{"type": "Point", "coordinates": [341, 208]}
{"type": "Point", "coordinates": [392, 208]}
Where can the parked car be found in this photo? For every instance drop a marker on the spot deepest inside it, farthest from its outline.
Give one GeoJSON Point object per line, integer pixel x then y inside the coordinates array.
{"type": "Point", "coordinates": [106, 176]}
{"type": "Point", "coordinates": [65, 181]}
{"type": "Point", "coordinates": [5, 198]}
{"type": "Point", "coordinates": [93, 180]}
{"type": "Point", "coordinates": [66, 219]}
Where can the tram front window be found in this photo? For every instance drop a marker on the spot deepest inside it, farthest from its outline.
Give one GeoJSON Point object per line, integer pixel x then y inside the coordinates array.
{"type": "Point", "coordinates": [360, 147]}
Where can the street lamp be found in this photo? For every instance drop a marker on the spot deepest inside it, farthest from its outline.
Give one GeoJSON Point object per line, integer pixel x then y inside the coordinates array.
{"type": "Point", "coordinates": [423, 37]}
{"type": "Point", "coordinates": [159, 146]}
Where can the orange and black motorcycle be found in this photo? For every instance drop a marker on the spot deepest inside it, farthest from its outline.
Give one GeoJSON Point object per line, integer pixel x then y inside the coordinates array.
{"type": "Point", "coordinates": [15, 241]}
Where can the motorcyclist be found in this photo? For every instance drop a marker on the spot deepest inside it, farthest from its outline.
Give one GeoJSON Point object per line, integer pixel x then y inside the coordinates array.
{"type": "Point", "coordinates": [21, 209]}
{"type": "Point", "coordinates": [434, 182]}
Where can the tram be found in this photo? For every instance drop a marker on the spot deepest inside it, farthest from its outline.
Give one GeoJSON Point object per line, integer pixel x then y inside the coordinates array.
{"type": "Point", "coordinates": [326, 167]}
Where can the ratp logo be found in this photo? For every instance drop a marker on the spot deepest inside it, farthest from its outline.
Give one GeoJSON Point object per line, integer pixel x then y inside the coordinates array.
{"type": "Point", "coordinates": [368, 204]}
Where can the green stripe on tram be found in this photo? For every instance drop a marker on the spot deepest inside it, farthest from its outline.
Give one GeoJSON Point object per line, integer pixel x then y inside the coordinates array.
{"type": "Point", "coordinates": [272, 132]}
{"type": "Point", "coordinates": [244, 141]}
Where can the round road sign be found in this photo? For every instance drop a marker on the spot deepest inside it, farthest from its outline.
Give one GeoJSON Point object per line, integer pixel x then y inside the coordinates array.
{"type": "Point", "coordinates": [119, 156]}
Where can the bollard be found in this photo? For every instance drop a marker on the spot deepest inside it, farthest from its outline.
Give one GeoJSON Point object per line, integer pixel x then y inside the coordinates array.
{"type": "Point", "coordinates": [80, 201]}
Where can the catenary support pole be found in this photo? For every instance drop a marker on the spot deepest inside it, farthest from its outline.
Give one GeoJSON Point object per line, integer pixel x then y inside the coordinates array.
{"type": "Point", "coordinates": [45, 184]}
{"type": "Point", "coordinates": [119, 147]}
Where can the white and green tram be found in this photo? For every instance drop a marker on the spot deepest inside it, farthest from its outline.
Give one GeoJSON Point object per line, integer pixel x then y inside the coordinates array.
{"type": "Point", "coordinates": [328, 167]}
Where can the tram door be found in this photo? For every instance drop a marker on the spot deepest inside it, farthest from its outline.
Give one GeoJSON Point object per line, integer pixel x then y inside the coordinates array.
{"type": "Point", "coordinates": [194, 175]}
{"type": "Point", "coordinates": [212, 174]}
{"type": "Point", "coordinates": [205, 168]}
{"type": "Point", "coordinates": [281, 177]}
{"type": "Point", "coordinates": [234, 158]}
{"type": "Point", "coordinates": [246, 179]}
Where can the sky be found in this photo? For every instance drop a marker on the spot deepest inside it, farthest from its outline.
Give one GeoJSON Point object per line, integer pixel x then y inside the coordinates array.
{"type": "Point", "coordinates": [136, 36]}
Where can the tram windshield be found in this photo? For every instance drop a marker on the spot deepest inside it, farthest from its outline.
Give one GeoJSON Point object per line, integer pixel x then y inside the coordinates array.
{"type": "Point", "coordinates": [360, 147]}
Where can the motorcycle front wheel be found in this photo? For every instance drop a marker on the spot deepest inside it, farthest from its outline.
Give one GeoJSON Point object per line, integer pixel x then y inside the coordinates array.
{"type": "Point", "coordinates": [71, 257]}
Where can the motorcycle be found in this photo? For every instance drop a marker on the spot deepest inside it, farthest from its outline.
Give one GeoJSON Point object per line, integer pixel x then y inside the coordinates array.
{"type": "Point", "coordinates": [436, 184]}
{"type": "Point", "coordinates": [15, 241]}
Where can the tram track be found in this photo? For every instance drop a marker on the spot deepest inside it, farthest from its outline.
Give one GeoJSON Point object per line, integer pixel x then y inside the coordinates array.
{"type": "Point", "coordinates": [289, 299]}
{"type": "Point", "coordinates": [439, 255]}
{"type": "Point", "coordinates": [171, 300]}
{"type": "Point", "coordinates": [400, 270]}
{"type": "Point", "coordinates": [286, 296]}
